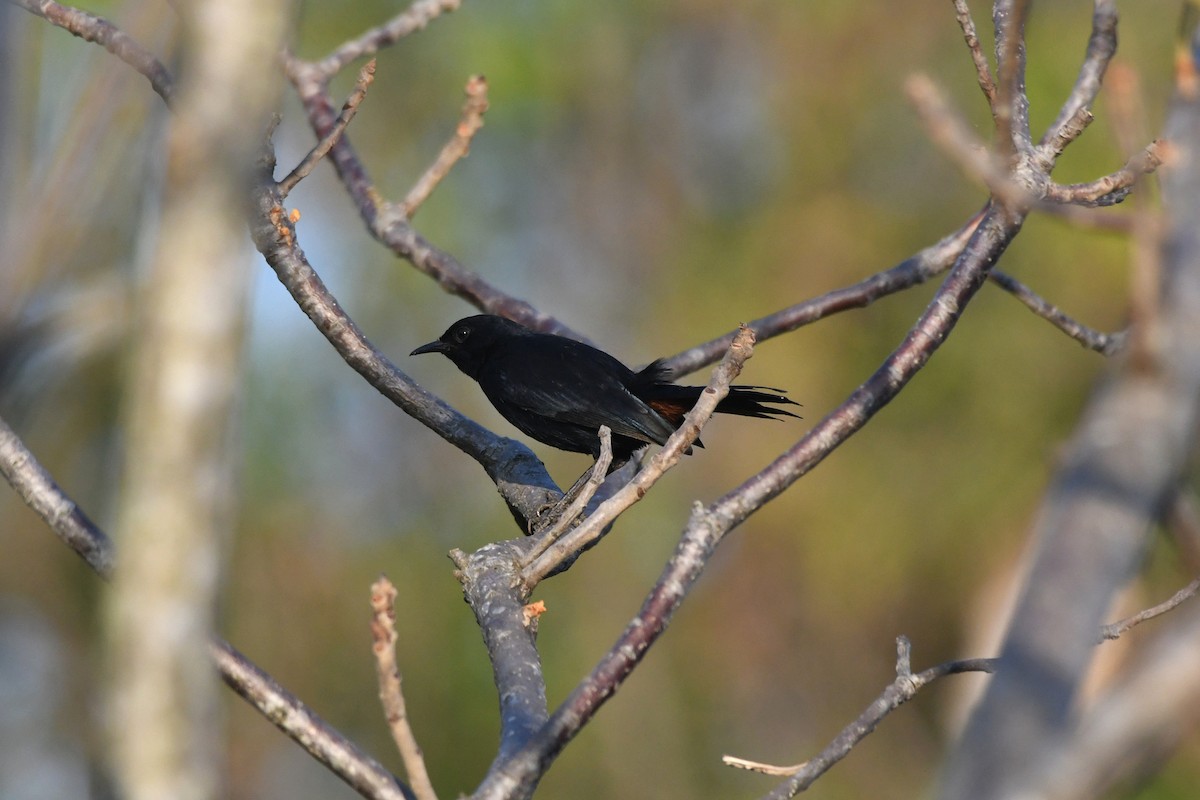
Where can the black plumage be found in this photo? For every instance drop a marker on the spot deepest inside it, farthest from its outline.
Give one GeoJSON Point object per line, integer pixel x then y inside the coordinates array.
{"type": "Point", "coordinates": [560, 391]}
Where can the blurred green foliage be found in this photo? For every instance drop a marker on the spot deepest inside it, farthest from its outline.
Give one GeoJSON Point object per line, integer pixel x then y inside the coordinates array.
{"type": "Point", "coordinates": [652, 174]}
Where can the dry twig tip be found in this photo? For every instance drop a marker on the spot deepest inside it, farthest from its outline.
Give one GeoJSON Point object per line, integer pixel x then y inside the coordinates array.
{"type": "Point", "coordinates": [458, 147]}
{"type": "Point", "coordinates": [383, 633]}
{"type": "Point", "coordinates": [366, 76]}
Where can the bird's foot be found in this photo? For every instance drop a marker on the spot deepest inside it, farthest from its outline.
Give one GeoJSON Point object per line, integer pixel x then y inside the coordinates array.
{"type": "Point", "coordinates": [554, 514]}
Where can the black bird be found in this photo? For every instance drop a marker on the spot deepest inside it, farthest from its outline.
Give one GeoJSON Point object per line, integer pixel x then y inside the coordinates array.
{"type": "Point", "coordinates": [560, 391]}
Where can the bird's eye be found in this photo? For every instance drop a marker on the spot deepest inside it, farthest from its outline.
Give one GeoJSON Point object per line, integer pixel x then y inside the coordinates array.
{"type": "Point", "coordinates": [460, 334]}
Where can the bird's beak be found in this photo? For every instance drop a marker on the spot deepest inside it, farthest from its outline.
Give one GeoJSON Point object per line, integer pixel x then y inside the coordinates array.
{"type": "Point", "coordinates": [437, 346]}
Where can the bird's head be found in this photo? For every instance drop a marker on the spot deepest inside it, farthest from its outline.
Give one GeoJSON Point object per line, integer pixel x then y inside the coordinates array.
{"type": "Point", "coordinates": [468, 341]}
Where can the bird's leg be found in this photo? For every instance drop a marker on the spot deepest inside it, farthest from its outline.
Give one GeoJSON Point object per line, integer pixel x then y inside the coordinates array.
{"type": "Point", "coordinates": [555, 518]}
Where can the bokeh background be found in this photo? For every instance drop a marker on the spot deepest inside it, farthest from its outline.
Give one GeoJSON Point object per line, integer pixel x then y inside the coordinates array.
{"type": "Point", "coordinates": [652, 174]}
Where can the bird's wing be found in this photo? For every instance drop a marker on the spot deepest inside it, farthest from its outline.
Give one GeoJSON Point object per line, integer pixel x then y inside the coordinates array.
{"type": "Point", "coordinates": [574, 383]}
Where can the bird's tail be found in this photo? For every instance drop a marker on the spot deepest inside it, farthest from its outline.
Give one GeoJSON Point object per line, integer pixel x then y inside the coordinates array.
{"type": "Point", "coordinates": [673, 401]}
{"type": "Point", "coordinates": [756, 401]}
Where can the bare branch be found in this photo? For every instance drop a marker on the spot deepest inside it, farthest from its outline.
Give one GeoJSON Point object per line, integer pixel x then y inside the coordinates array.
{"type": "Point", "coordinates": [100, 31]}
{"type": "Point", "coordinates": [1071, 130]}
{"type": "Point", "coordinates": [1104, 343]}
{"type": "Point", "coordinates": [982, 71]}
{"type": "Point", "coordinates": [549, 554]}
{"type": "Point", "coordinates": [1126, 733]}
{"type": "Point", "coordinates": [411, 20]}
{"type": "Point", "coordinates": [1101, 46]}
{"type": "Point", "coordinates": [383, 634]}
{"type": "Point", "coordinates": [592, 481]}
{"type": "Point", "coordinates": [458, 146]}
{"type": "Point", "coordinates": [365, 77]}
{"type": "Point", "coordinates": [1011, 111]}
{"type": "Point", "coordinates": [492, 587]}
{"type": "Point", "coordinates": [517, 474]}
{"type": "Point", "coordinates": [900, 691]}
{"type": "Point", "coordinates": [954, 137]}
{"type": "Point", "coordinates": [989, 240]}
{"type": "Point", "coordinates": [391, 227]}
{"type": "Point", "coordinates": [303, 726]}
{"type": "Point", "coordinates": [903, 689]}
{"type": "Point", "coordinates": [1116, 629]}
{"type": "Point", "coordinates": [34, 485]}
{"type": "Point", "coordinates": [1114, 188]}
{"type": "Point", "coordinates": [518, 773]}
{"type": "Point", "coordinates": [915, 270]}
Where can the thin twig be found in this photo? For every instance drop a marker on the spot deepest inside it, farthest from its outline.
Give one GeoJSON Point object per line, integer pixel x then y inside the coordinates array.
{"type": "Point", "coordinates": [547, 557]}
{"type": "Point", "coordinates": [595, 479]}
{"type": "Point", "coordinates": [391, 694]}
{"type": "Point", "coordinates": [988, 242]}
{"type": "Point", "coordinates": [1101, 46]}
{"type": "Point", "coordinates": [915, 270]}
{"type": "Point", "coordinates": [1116, 629]}
{"type": "Point", "coordinates": [774, 770]}
{"type": "Point", "coordinates": [900, 691]}
{"type": "Point", "coordinates": [458, 146]}
{"type": "Point", "coordinates": [1128, 731]}
{"type": "Point", "coordinates": [409, 21]}
{"type": "Point", "coordinates": [1114, 188]}
{"type": "Point", "coordinates": [1068, 132]}
{"type": "Point", "coordinates": [1011, 111]}
{"type": "Point", "coordinates": [391, 228]}
{"type": "Point", "coordinates": [98, 30]}
{"type": "Point", "coordinates": [982, 71]}
{"type": "Point", "coordinates": [903, 689]}
{"type": "Point", "coordinates": [302, 725]}
{"type": "Point", "coordinates": [950, 132]}
{"type": "Point", "coordinates": [34, 485]}
{"type": "Point", "coordinates": [366, 76]}
{"type": "Point", "coordinates": [1104, 343]}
